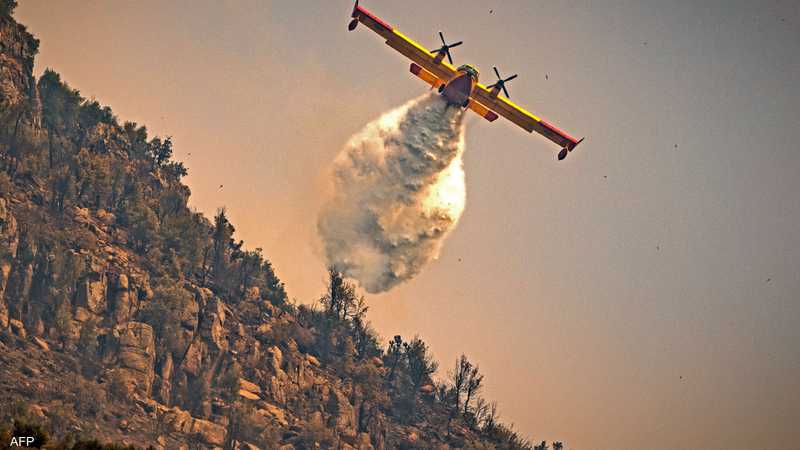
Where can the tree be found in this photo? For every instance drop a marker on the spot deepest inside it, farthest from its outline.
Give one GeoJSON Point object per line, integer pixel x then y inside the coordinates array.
{"type": "Point", "coordinates": [137, 140]}
{"type": "Point", "coordinates": [7, 7]}
{"type": "Point", "coordinates": [365, 339]}
{"type": "Point", "coordinates": [472, 388]}
{"type": "Point", "coordinates": [222, 237]}
{"type": "Point", "coordinates": [485, 414]}
{"type": "Point", "coordinates": [459, 379]}
{"type": "Point", "coordinates": [249, 268]}
{"type": "Point", "coordinates": [171, 306]}
{"type": "Point", "coordinates": [174, 170]}
{"type": "Point", "coordinates": [64, 190]}
{"type": "Point", "coordinates": [160, 151]}
{"type": "Point", "coordinates": [91, 114]}
{"type": "Point", "coordinates": [341, 301]}
{"type": "Point", "coordinates": [414, 368]}
{"type": "Point", "coordinates": [372, 398]}
{"type": "Point", "coordinates": [394, 356]}
{"type": "Point", "coordinates": [421, 364]}
{"type": "Point", "coordinates": [144, 227]}
{"type": "Point", "coordinates": [60, 109]}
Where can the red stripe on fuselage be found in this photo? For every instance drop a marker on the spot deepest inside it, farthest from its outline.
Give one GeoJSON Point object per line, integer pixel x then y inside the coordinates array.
{"type": "Point", "coordinates": [558, 132]}
{"type": "Point", "coordinates": [361, 10]}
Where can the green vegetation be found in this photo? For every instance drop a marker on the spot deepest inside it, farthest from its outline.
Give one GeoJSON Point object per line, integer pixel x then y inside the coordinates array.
{"type": "Point", "coordinates": [91, 162]}
{"type": "Point", "coordinates": [17, 421]}
{"type": "Point", "coordinates": [22, 427]}
{"type": "Point", "coordinates": [7, 7]}
{"type": "Point", "coordinates": [404, 388]}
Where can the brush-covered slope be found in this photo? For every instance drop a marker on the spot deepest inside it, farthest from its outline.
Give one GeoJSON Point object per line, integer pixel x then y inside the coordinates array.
{"type": "Point", "coordinates": [128, 317]}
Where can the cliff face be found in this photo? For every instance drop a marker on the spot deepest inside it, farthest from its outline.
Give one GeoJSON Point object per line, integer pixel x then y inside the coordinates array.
{"type": "Point", "coordinates": [126, 316]}
{"type": "Point", "coordinates": [17, 50]}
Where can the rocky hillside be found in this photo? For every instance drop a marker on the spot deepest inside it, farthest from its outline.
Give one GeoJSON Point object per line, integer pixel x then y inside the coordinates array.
{"type": "Point", "coordinates": [128, 317]}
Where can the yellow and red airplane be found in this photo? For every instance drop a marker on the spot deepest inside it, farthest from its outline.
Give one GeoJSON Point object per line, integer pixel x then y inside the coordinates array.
{"type": "Point", "coordinates": [460, 86]}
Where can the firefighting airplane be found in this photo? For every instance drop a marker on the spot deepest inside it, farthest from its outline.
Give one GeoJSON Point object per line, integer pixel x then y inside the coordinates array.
{"type": "Point", "coordinates": [459, 86]}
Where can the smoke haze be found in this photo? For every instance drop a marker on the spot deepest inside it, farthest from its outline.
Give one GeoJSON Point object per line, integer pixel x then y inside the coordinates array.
{"type": "Point", "coordinates": [398, 191]}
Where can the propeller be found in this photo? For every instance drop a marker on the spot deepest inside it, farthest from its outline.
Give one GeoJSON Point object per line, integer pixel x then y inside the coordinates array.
{"type": "Point", "coordinates": [501, 83]}
{"type": "Point", "coordinates": [445, 48]}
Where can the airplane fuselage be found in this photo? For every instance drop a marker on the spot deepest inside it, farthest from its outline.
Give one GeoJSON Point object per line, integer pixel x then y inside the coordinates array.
{"type": "Point", "coordinates": [459, 88]}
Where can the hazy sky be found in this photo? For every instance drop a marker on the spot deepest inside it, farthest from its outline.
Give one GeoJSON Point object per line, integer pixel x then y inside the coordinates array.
{"type": "Point", "coordinates": [636, 296]}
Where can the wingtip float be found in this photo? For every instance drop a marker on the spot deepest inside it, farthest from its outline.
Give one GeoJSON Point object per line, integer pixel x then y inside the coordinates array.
{"type": "Point", "coordinates": [459, 85]}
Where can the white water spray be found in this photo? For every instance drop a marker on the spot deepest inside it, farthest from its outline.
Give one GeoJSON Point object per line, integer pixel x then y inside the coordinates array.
{"type": "Point", "coordinates": [398, 191]}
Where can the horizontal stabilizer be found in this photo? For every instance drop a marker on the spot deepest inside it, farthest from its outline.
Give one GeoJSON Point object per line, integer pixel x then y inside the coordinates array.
{"type": "Point", "coordinates": [482, 111]}
{"type": "Point", "coordinates": [425, 75]}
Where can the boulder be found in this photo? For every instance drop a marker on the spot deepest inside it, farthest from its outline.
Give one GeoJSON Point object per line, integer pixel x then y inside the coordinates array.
{"type": "Point", "coordinates": [105, 217]}
{"type": "Point", "coordinates": [178, 420]}
{"type": "Point", "coordinates": [92, 292]}
{"type": "Point", "coordinates": [82, 314]}
{"type": "Point", "coordinates": [17, 328]}
{"type": "Point", "coordinates": [253, 294]}
{"type": "Point", "coordinates": [273, 413]}
{"type": "Point", "coordinates": [136, 354]}
{"type": "Point", "coordinates": [82, 215]}
{"type": "Point", "coordinates": [315, 420]}
{"type": "Point", "coordinates": [277, 390]}
{"type": "Point", "coordinates": [193, 360]}
{"type": "Point", "coordinates": [165, 386]}
{"type": "Point", "coordinates": [209, 432]}
{"type": "Point", "coordinates": [249, 390]}
{"type": "Point", "coordinates": [41, 343]}
{"type": "Point", "coordinates": [249, 386]}
{"type": "Point", "coordinates": [123, 300]}
{"type": "Point", "coordinates": [212, 326]}
{"type": "Point", "coordinates": [275, 360]}
{"type": "Point", "coordinates": [248, 395]}
{"type": "Point", "coordinates": [363, 442]}
{"type": "Point", "coordinates": [344, 415]}
{"type": "Point", "coordinates": [263, 331]}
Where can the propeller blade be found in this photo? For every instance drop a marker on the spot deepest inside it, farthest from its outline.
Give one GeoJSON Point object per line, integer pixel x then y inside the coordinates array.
{"type": "Point", "coordinates": [456, 44]}
{"type": "Point", "coordinates": [449, 58]}
{"type": "Point", "coordinates": [441, 36]}
{"type": "Point", "coordinates": [505, 90]}
{"type": "Point", "coordinates": [498, 73]}
{"type": "Point", "coordinates": [510, 78]}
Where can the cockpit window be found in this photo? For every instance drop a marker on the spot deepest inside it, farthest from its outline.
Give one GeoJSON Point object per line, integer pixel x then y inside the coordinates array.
{"type": "Point", "coordinates": [473, 72]}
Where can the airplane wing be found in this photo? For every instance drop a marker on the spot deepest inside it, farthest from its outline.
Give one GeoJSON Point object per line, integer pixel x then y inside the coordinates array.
{"type": "Point", "coordinates": [406, 46]}
{"type": "Point", "coordinates": [523, 118]}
